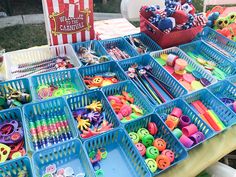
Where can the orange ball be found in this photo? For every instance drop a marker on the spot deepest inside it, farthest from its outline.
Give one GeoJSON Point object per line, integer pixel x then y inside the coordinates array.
{"type": "Point", "coordinates": [162, 162]}
{"type": "Point", "coordinates": [160, 144]}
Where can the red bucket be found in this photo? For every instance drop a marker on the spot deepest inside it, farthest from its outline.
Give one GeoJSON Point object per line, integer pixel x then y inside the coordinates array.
{"type": "Point", "coordinates": [171, 39]}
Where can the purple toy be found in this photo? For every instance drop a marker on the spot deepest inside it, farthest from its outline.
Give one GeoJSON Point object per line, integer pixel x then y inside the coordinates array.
{"type": "Point", "coordinates": [92, 116]}
{"type": "Point", "coordinates": [184, 121]}
{"type": "Point", "coordinates": [80, 112]}
{"type": "Point", "coordinates": [11, 133]}
{"type": "Point", "coordinates": [197, 137]}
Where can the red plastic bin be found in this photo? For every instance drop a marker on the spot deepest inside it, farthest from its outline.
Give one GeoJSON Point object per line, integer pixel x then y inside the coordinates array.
{"type": "Point", "coordinates": [171, 39]}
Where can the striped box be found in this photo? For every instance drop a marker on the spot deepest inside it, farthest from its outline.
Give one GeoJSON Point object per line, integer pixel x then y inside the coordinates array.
{"type": "Point", "coordinates": [68, 21]}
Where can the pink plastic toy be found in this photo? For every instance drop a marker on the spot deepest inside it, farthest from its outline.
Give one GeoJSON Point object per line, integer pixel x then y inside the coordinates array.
{"type": "Point", "coordinates": [234, 106]}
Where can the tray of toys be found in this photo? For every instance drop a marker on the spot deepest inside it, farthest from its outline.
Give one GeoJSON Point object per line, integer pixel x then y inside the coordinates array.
{"type": "Point", "coordinates": [226, 92]}
{"type": "Point", "coordinates": [184, 123]}
{"type": "Point", "coordinates": [184, 69]}
{"type": "Point", "coordinates": [221, 30]}
{"type": "Point", "coordinates": [152, 80]}
{"type": "Point", "coordinates": [28, 62]}
{"type": "Point", "coordinates": [66, 159]}
{"type": "Point", "coordinates": [219, 42]}
{"type": "Point", "coordinates": [210, 59]}
{"type": "Point", "coordinates": [157, 146]}
{"type": "Point", "coordinates": [170, 27]}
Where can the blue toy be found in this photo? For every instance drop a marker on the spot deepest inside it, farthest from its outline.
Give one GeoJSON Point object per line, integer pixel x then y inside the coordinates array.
{"type": "Point", "coordinates": [155, 19]}
{"type": "Point", "coordinates": [178, 15]}
{"type": "Point", "coordinates": [166, 24]}
{"type": "Point", "coordinates": [212, 18]}
{"type": "Point", "coordinates": [152, 8]}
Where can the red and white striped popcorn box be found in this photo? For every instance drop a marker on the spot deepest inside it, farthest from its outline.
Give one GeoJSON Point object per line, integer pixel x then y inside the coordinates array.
{"type": "Point", "coordinates": [68, 21]}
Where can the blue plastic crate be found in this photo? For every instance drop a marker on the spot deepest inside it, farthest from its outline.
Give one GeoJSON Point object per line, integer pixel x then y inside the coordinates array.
{"type": "Point", "coordinates": [22, 85]}
{"type": "Point", "coordinates": [15, 167]}
{"type": "Point", "coordinates": [174, 87]}
{"type": "Point", "coordinates": [13, 114]}
{"type": "Point", "coordinates": [164, 133]}
{"type": "Point", "coordinates": [210, 54]}
{"type": "Point", "coordinates": [164, 110]}
{"type": "Point", "coordinates": [80, 101]}
{"type": "Point", "coordinates": [226, 115]}
{"type": "Point", "coordinates": [146, 40]}
{"type": "Point", "coordinates": [122, 159]}
{"type": "Point", "coordinates": [121, 43]}
{"type": "Point", "coordinates": [56, 78]}
{"type": "Point", "coordinates": [68, 154]}
{"type": "Point", "coordinates": [224, 89]}
{"type": "Point", "coordinates": [139, 99]}
{"type": "Point", "coordinates": [232, 79]}
{"type": "Point", "coordinates": [228, 46]}
{"type": "Point", "coordinates": [177, 51]}
{"type": "Point", "coordinates": [43, 109]}
{"type": "Point", "coordinates": [95, 46]}
{"type": "Point", "coordinates": [103, 68]}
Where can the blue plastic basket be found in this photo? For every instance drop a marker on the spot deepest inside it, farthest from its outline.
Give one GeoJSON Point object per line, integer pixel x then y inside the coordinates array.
{"type": "Point", "coordinates": [146, 40]}
{"type": "Point", "coordinates": [14, 167]}
{"type": "Point", "coordinates": [139, 99]}
{"type": "Point", "coordinates": [209, 35]}
{"type": "Point", "coordinates": [95, 46]}
{"type": "Point", "coordinates": [9, 115]}
{"type": "Point", "coordinates": [22, 85]}
{"type": "Point", "coordinates": [103, 68]}
{"type": "Point", "coordinates": [122, 159]}
{"type": "Point", "coordinates": [164, 133]}
{"type": "Point", "coordinates": [175, 88]}
{"type": "Point", "coordinates": [210, 54]}
{"type": "Point", "coordinates": [35, 111]}
{"type": "Point", "coordinates": [55, 78]}
{"type": "Point", "coordinates": [121, 43]}
{"type": "Point", "coordinates": [177, 51]}
{"type": "Point", "coordinates": [86, 99]}
{"type": "Point", "coordinates": [68, 154]}
{"type": "Point", "coordinates": [167, 108]}
{"type": "Point", "coordinates": [224, 89]}
{"type": "Point", "coordinates": [232, 79]}
{"type": "Point", "coordinates": [226, 115]}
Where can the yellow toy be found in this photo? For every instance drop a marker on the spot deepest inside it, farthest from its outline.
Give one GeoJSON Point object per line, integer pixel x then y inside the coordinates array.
{"type": "Point", "coordinates": [83, 124]}
{"type": "Point", "coordinates": [5, 151]}
{"type": "Point", "coordinates": [95, 106]}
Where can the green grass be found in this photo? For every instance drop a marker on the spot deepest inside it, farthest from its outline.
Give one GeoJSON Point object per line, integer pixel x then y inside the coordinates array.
{"type": "Point", "coordinates": [22, 36]}
{"type": "Point", "coordinates": [20, 7]}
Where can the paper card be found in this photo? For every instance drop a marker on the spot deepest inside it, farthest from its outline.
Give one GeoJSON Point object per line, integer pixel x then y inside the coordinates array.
{"type": "Point", "coordinates": [68, 21]}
